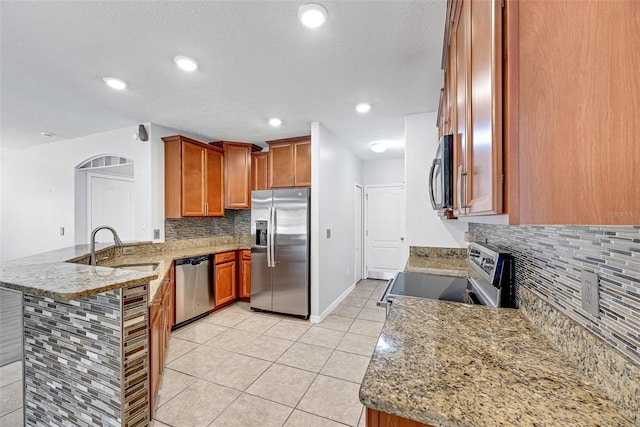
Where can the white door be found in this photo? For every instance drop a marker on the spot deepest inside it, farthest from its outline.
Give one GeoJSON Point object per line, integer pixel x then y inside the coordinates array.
{"type": "Point", "coordinates": [385, 231]}
{"type": "Point", "coordinates": [110, 202]}
{"type": "Point", "coordinates": [359, 234]}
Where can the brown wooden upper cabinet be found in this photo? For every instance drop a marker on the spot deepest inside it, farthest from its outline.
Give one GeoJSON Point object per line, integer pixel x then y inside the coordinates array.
{"type": "Point", "coordinates": [523, 107]}
{"type": "Point", "coordinates": [290, 162]}
{"type": "Point", "coordinates": [259, 171]}
{"type": "Point", "coordinates": [237, 173]}
{"type": "Point", "coordinates": [193, 178]}
{"type": "Point", "coordinates": [473, 65]}
{"type": "Point", "coordinates": [573, 118]}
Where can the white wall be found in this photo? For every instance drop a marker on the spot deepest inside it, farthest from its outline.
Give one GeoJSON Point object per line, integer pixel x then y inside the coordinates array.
{"type": "Point", "coordinates": [424, 227]}
{"type": "Point", "coordinates": [381, 172]}
{"type": "Point", "coordinates": [38, 186]}
{"type": "Point", "coordinates": [335, 171]}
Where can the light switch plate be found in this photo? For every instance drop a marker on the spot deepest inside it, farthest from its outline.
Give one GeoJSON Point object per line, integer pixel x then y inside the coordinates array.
{"type": "Point", "coordinates": [328, 233]}
{"type": "Point", "coordinates": [156, 233]}
{"type": "Point", "coordinates": [591, 293]}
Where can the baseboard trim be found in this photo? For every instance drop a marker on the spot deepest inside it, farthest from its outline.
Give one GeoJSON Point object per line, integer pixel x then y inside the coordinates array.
{"type": "Point", "coordinates": [334, 304]}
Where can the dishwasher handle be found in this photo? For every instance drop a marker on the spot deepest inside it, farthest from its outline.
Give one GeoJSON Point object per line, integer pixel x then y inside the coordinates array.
{"type": "Point", "coordinates": [195, 261]}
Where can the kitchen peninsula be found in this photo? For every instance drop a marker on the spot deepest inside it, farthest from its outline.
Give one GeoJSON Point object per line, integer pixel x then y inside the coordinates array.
{"type": "Point", "coordinates": [86, 342]}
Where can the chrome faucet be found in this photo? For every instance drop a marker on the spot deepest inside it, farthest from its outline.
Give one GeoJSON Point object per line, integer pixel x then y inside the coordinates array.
{"type": "Point", "coordinates": [116, 240]}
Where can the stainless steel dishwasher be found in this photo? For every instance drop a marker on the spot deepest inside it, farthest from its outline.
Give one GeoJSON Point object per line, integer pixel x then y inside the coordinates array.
{"type": "Point", "coordinates": [194, 292]}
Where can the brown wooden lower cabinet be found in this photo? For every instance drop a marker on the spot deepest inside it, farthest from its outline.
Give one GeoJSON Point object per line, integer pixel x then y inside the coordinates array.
{"type": "Point", "coordinates": [168, 305]}
{"type": "Point", "coordinates": [161, 319]}
{"type": "Point", "coordinates": [382, 419]}
{"type": "Point", "coordinates": [156, 345]}
{"type": "Point", "coordinates": [244, 281]}
{"type": "Point", "coordinates": [224, 278]}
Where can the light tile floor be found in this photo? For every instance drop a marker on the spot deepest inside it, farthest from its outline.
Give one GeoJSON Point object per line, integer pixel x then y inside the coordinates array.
{"type": "Point", "coordinates": [242, 368]}
{"type": "Point", "coordinates": [11, 395]}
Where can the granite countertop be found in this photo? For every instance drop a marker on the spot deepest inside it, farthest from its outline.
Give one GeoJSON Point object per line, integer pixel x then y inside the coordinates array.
{"type": "Point", "coordinates": [432, 365]}
{"type": "Point", "coordinates": [442, 261]}
{"type": "Point", "coordinates": [441, 266]}
{"type": "Point", "coordinates": [51, 275]}
{"type": "Point", "coordinates": [166, 257]}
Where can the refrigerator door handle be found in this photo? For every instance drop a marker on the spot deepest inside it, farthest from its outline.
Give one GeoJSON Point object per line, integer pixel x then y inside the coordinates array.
{"type": "Point", "coordinates": [273, 237]}
{"type": "Point", "coordinates": [269, 238]}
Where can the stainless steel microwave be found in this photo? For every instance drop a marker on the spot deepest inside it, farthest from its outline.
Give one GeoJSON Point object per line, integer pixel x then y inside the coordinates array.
{"type": "Point", "coordinates": [441, 176]}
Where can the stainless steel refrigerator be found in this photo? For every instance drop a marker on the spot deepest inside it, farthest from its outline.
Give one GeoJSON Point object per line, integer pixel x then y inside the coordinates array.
{"type": "Point", "coordinates": [280, 251]}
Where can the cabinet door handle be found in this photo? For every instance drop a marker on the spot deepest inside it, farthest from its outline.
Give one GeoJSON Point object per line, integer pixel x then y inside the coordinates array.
{"type": "Point", "coordinates": [206, 209]}
{"type": "Point", "coordinates": [291, 180]}
{"type": "Point", "coordinates": [460, 175]}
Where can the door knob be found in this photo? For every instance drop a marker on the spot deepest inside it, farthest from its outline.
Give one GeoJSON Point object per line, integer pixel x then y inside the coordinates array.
{"type": "Point", "coordinates": [402, 239]}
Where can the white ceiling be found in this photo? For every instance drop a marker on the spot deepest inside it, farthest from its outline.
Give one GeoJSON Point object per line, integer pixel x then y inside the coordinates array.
{"type": "Point", "coordinates": [256, 61]}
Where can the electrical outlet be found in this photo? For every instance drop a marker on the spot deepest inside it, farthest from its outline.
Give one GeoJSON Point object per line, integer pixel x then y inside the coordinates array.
{"type": "Point", "coordinates": [127, 250]}
{"type": "Point", "coordinates": [156, 233]}
{"type": "Point", "coordinates": [590, 293]}
{"type": "Point", "coordinates": [328, 233]}
{"type": "Point", "coordinates": [62, 231]}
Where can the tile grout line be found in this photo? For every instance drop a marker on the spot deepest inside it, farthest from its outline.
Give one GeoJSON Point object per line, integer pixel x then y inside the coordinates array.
{"type": "Point", "coordinates": [12, 412]}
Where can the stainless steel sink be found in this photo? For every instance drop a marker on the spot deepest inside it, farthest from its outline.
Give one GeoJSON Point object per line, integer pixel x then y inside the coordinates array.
{"type": "Point", "coordinates": [149, 267]}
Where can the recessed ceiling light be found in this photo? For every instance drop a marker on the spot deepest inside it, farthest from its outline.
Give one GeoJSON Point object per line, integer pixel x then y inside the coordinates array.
{"type": "Point", "coordinates": [185, 63]}
{"type": "Point", "coordinates": [378, 147]}
{"type": "Point", "coordinates": [312, 15]}
{"type": "Point", "coordinates": [275, 122]}
{"type": "Point", "coordinates": [115, 83]}
{"type": "Point", "coordinates": [47, 134]}
{"type": "Point", "coordinates": [363, 107]}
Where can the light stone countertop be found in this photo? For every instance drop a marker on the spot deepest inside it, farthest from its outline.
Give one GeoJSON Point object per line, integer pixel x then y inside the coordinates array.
{"type": "Point", "coordinates": [440, 261]}
{"type": "Point", "coordinates": [51, 275]}
{"type": "Point", "coordinates": [440, 266]}
{"type": "Point", "coordinates": [168, 255]}
{"type": "Point", "coordinates": [433, 365]}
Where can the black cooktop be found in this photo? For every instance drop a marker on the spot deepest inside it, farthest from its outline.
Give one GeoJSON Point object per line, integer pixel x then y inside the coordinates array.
{"type": "Point", "coordinates": [430, 286]}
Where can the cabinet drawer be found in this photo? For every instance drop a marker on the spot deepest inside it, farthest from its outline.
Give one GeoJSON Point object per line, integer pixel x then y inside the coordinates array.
{"type": "Point", "coordinates": [246, 255]}
{"type": "Point", "coordinates": [224, 257]}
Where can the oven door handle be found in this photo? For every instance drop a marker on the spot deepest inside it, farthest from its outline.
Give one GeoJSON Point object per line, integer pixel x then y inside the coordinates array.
{"type": "Point", "coordinates": [383, 299]}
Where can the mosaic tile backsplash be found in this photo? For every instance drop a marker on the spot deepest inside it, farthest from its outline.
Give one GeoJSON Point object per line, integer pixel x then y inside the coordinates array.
{"type": "Point", "coordinates": [550, 259]}
{"type": "Point", "coordinates": [233, 223]}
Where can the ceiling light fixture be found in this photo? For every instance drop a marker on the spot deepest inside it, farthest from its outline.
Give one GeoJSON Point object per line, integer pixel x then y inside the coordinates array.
{"type": "Point", "coordinates": [115, 83]}
{"type": "Point", "coordinates": [185, 63]}
{"type": "Point", "coordinates": [47, 134]}
{"type": "Point", "coordinates": [363, 107]}
{"type": "Point", "coordinates": [312, 15]}
{"type": "Point", "coordinates": [378, 147]}
{"type": "Point", "coordinates": [275, 122]}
